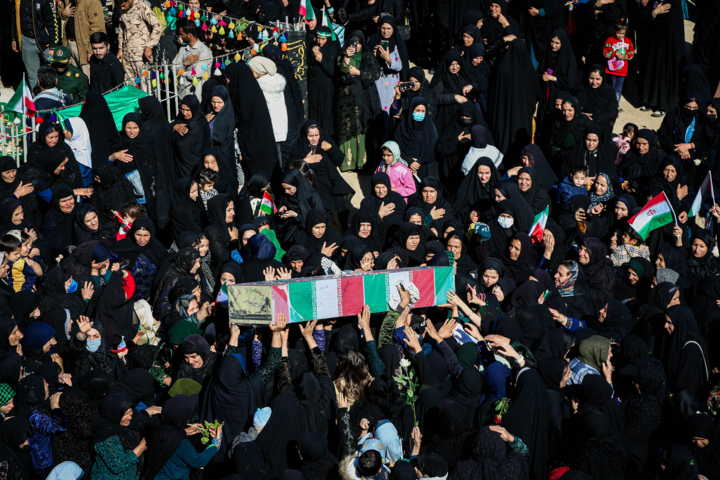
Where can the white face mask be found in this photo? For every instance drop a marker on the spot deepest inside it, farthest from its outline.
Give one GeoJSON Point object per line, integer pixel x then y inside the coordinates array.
{"type": "Point", "coordinates": [506, 222]}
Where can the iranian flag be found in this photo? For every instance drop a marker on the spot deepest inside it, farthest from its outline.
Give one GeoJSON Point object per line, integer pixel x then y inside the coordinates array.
{"type": "Point", "coordinates": [267, 206]}
{"type": "Point", "coordinates": [306, 10]}
{"type": "Point", "coordinates": [22, 101]}
{"type": "Point", "coordinates": [326, 22]}
{"type": "Point", "coordinates": [338, 296]}
{"type": "Point", "coordinates": [655, 214]}
{"type": "Point", "coordinates": [707, 183]}
{"type": "Point", "coordinates": [538, 226]}
{"type": "Point", "coordinates": [222, 296]}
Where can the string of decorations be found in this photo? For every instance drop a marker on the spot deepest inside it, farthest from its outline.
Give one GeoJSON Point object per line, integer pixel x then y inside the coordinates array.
{"type": "Point", "coordinates": [223, 25]}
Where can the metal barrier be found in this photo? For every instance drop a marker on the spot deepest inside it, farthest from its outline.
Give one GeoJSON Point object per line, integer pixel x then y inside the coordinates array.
{"type": "Point", "coordinates": [17, 130]}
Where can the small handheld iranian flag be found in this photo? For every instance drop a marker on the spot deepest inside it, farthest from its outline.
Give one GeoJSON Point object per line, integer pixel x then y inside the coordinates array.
{"type": "Point", "coordinates": [22, 101]}
{"type": "Point", "coordinates": [538, 226]}
{"type": "Point", "coordinates": [222, 296]}
{"type": "Point", "coordinates": [306, 10]}
{"type": "Point", "coordinates": [326, 22]}
{"type": "Point", "coordinates": [267, 206]}
{"type": "Point", "coordinates": [655, 214]}
{"type": "Point", "coordinates": [707, 184]}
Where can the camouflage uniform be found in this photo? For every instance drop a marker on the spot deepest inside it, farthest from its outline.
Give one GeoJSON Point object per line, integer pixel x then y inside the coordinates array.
{"type": "Point", "coordinates": [139, 28]}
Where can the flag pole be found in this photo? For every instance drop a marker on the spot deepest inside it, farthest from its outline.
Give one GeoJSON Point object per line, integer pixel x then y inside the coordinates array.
{"type": "Point", "coordinates": [712, 190]}
{"type": "Point", "coordinates": [671, 208]}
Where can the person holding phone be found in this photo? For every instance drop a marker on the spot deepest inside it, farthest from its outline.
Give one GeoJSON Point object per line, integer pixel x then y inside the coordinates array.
{"type": "Point", "coordinates": [392, 56]}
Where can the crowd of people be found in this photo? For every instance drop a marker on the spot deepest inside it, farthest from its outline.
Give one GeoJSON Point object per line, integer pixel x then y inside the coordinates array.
{"type": "Point", "coordinates": [585, 351]}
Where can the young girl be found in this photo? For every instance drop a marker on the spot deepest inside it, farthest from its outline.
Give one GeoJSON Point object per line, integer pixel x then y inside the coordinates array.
{"type": "Point", "coordinates": [401, 177]}
{"type": "Point", "coordinates": [618, 50]}
{"type": "Point", "coordinates": [623, 141]}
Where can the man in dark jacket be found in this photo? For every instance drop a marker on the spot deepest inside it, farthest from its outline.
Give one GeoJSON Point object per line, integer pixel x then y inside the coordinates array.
{"type": "Point", "coordinates": [106, 71]}
{"type": "Point", "coordinates": [34, 31]}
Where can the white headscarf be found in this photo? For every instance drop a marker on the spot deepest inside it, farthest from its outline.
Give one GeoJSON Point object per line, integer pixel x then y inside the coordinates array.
{"type": "Point", "coordinates": [80, 141]}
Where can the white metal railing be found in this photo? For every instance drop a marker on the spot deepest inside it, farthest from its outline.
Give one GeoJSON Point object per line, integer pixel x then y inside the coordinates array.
{"type": "Point", "coordinates": [15, 133]}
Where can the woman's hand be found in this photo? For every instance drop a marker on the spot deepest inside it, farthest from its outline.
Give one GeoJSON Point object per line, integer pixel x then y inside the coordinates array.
{"type": "Point", "coordinates": [181, 129]}
{"type": "Point", "coordinates": [83, 192]}
{"type": "Point", "coordinates": [23, 189]}
{"type": "Point", "coordinates": [288, 214]}
{"type": "Point", "coordinates": [341, 400]}
{"type": "Point", "coordinates": [328, 250]}
{"type": "Point", "coordinates": [580, 215]}
{"type": "Point", "coordinates": [682, 191]}
{"type": "Point", "coordinates": [473, 331]}
{"type": "Point", "coordinates": [415, 441]}
{"type": "Point", "coordinates": [460, 99]}
{"type": "Point", "coordinates": [384, 54]}
{"type": "Point", "coordinates": [307, 330]}
{"type": "Point", "coordinates": [437, 213]}
{"type": "Point", "coordinates": [534, 12]}
{"type": "Point", "coordinates": [661, 9]}
{"type": "Point", "coordinates": [140, 448]}
{"type": "Point", "coordinates": [597, 209]}
{"type": "Point", "coordinates": [366, 264]}
{"type": "Point", "coordinates": [193, 429]}
{"type": "Point", "coordinates": [210, 116]}
{"type": "Point", "coordinates": [269, 274]}
{"type": "Point", "coordinates": [558, 317]}
{"type": "Point", "coordinates": [505, 436]}
{"type": "Point", "coordinates": [55, 400]}
{"type": "Point", "coordinates": [548, 78]}
{"type": "Point", "coordinates": [386, 210]}
{"type": "Point", "coordinates": [234, 234]}
{"type": "Point", "coordinates": [313, 158]}
{"type": "Point", "coordinates": [154, 410]}
{"type": "Point", "coordinates": [88, 290]}
{"type": "Point", "coordinates": [682, 217]}
{"type": "Point", "coordinates": [354, 71]}
{"type": "Point", "coordinates": [284, 273]}
{"type": "Point", "coordinates": [474, 216]}
{"type": "Point", "coordinates": [122, 155]}
{"type": "Point", "coordinates": [503, 21]}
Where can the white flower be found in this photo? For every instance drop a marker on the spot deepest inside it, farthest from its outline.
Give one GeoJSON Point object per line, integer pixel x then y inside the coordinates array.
{"type": "Point", "coordinates": [404, 363]}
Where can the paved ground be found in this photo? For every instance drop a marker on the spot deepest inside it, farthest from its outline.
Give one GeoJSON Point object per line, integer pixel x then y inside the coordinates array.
{"type": "Point", "coordinates": [361, 183]}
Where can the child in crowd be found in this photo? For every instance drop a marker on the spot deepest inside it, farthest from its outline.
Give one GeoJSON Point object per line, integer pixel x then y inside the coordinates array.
{"type": "Point", "coordinates": [623, 141]}
{"type": "Point", "coordinates": [207, 179]}
{"type": "Point", "coordinates": [401, 177]}
{"type": "Point", "coordinates": [24, 270]}
{"type": "Point", "coordinates": [572, 185]}
{"type": "Point", "coordinates": [127, 216]}
{"type": "Point", "coordinates": [631, 246]}
{"type": "Point", "coordinates": [618, 51]}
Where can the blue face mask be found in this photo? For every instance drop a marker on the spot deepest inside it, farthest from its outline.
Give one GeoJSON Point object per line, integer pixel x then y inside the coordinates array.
{"type": "Point", "coordinates": [93, 345]}
{"type": "Point", "coordinates": [418, 116]}
{"type": "Point", "coordinates": [73, 286]}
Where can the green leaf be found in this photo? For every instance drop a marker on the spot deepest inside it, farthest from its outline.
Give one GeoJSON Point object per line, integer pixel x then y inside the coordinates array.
{"type": "Point", "coordinates": [204, 440]}
{"type": "Point", "coordinates": [410, 393]}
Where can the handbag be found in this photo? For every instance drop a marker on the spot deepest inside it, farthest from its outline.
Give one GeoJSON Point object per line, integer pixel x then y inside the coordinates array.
{"type": "Point", "coordinates": [404, 30]}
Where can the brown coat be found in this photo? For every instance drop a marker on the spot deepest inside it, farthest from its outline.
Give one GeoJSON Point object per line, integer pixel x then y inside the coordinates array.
{"type": "Point", "coordinates": [89, 18]}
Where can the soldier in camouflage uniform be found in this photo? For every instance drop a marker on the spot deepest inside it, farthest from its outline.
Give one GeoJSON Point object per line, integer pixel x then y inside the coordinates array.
{"type": "Point", "coordinates": [70, 79]}
{"type": "Point", "coordinates": [140, 32]}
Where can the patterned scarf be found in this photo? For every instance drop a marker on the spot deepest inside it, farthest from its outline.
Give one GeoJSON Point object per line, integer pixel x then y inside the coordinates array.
{"type": "Point", "coordinates": [567, 289]}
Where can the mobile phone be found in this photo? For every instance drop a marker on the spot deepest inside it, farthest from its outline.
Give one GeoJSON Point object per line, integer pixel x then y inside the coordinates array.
{"type": "Point", "coordinates": [384, 44]}
{"type": "Point", "coordinates": [403, 86]}
{"type": "Point", "coordinates": [549, 71]}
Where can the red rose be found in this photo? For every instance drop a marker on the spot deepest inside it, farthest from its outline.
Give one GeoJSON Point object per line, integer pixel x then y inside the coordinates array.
{"type": "Point", "coordinates": [498, 419]}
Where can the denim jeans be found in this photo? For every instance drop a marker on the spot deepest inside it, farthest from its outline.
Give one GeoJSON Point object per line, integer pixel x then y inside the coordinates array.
{"type": "Point", "coordinates": [617, 84]}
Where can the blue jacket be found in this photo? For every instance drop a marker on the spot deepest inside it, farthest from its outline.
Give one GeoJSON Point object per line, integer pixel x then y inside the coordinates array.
{"type": "Point", "coordinates": [567, 189]}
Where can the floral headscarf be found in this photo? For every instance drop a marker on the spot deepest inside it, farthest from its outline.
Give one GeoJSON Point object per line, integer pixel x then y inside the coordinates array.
{"type": "Point", "coordinates": [609, 194]}
{"type": "Point", "coordinates": [567, 289]}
